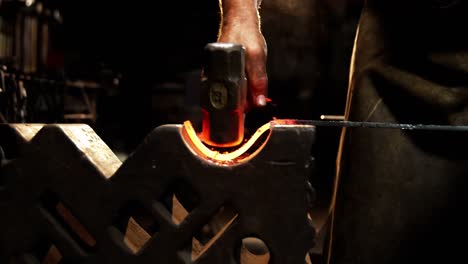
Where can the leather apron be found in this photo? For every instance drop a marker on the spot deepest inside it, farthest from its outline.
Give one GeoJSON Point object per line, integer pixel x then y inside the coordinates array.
{"type": "Point", "coordinates": [400, 195]}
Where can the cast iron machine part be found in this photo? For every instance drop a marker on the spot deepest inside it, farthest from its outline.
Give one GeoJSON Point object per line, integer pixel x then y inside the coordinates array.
{"type": "Point", "coordinates": [263, 194]}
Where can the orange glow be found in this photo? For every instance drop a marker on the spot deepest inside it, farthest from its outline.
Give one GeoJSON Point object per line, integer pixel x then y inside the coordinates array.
{"type": "Point", "coordinates": [205, 125]}
{"type": "Point", "coordinates": [227, 158]}
{"type": "Point", "coordinates": [285, 122]}
{"type": "Point", "coordinates": [210, 130]}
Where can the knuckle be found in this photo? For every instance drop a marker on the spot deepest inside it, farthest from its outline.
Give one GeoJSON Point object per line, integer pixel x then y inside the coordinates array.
{"type": "Point", "coordinates": [256, 51]}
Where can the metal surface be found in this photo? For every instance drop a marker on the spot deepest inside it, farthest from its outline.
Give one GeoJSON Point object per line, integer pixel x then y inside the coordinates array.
{"type": "Point", "coordinates": [64, 194]}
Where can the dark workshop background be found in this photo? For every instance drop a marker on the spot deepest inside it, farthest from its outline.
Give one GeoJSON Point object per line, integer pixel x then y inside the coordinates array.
{"type": "Point", "coordinates": [126, 67]}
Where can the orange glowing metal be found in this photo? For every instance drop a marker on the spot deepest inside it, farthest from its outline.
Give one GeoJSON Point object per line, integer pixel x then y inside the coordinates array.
{"type": "Point", "coordinates": [227, 158]}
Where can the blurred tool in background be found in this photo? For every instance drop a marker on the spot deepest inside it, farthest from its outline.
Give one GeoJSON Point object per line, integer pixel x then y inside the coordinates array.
{"type": "Point", "coordinates": [34, 84]}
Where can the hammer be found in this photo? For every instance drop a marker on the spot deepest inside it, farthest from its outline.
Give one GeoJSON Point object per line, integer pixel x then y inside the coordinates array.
{"type": "Point", "coordinates": [223, 95]}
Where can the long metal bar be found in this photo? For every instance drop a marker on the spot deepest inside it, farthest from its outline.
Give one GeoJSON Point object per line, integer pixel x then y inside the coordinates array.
{"type": "Point", "coordinates": [358, 124]}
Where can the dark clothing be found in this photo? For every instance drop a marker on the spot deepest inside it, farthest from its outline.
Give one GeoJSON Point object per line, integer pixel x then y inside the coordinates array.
{"type": "Point", "coordinates": [402, 194]}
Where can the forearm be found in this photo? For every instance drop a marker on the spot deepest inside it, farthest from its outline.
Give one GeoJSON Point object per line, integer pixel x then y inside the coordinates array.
{"type": "Point", "coordinates": [236, 12]}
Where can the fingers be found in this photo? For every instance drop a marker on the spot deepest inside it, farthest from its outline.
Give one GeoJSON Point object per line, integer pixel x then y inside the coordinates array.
{"type": "Point", "coordinates": [256, 75]}
{"type": "Point", "coordinates": [255, 60]}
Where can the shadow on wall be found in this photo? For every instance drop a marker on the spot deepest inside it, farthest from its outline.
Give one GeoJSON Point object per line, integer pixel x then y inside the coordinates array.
{"type": "Point", "coordinates": [309, 45]}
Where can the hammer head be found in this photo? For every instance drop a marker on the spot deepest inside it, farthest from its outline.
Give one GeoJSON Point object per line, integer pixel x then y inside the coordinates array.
{"type": "Point", "coordinates": [223, 95]}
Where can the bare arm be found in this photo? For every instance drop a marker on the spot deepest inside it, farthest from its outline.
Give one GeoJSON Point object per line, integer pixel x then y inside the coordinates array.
{"type": "Point", "coordinates": [240, 23]}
